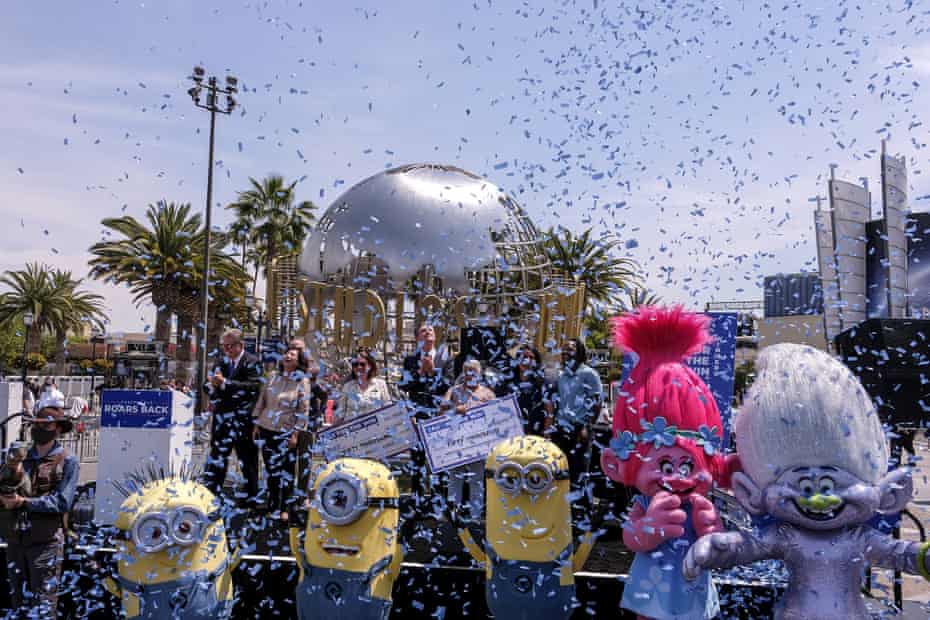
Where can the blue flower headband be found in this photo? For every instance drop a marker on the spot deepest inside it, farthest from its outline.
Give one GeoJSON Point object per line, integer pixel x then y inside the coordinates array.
{"type": "Point", "coordinates": [659, 434]}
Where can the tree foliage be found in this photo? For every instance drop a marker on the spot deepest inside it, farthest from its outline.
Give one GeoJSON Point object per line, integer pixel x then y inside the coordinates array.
{"type": "Point", "coordinates": [161, 261]}
{"type": "Point", "coordinates": [55, 300]}
{"type": "Point", "coordinates": [594, 262]}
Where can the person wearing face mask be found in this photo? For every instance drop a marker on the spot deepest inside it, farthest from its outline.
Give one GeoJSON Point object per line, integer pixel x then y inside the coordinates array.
{"type": "Point", "coordinates": [531, 389]}
{"type": "Point", "coordinates": [33, 526]}
{"type": "Point", "coordinates": [467, 392]}
{"type": "Point", "coordinates": [281, 414]}
{"type": "Point", "coordinates": [577, 402]}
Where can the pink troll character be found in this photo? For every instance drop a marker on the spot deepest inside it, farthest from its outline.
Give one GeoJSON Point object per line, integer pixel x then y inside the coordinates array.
{"type": "Point", "coordinates": [666, 443]}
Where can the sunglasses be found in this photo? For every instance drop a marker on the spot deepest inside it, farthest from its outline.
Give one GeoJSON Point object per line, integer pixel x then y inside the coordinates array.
{"type": "Point", "coordinates": [359, 364]}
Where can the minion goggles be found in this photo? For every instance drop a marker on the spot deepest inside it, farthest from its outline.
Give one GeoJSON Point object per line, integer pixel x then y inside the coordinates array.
{"type": "Point", "coordinates": [183, 526]}
{"type": "Point", "coordinates": [342, 498]}
{"type": "Point", "coordinates": [534, 478]}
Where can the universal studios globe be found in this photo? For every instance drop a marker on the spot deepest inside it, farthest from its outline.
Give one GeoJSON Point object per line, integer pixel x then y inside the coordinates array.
{"type": "Point", "coordinates": [427, 242]}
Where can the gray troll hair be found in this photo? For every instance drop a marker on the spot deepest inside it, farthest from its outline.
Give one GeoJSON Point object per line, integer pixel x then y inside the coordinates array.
{"type": "Point", "coordinates": [807, 409]}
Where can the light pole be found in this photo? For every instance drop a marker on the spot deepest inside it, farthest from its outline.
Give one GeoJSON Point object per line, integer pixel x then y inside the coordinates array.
{"type": "Point", "coordinates": [95, 337]}
{"type": "Point", "coordinates": [28, 318]}
{"type": "Point", "coordinates": [214, 103]}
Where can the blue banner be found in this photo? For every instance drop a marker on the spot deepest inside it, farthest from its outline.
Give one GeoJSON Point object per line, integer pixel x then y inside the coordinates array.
{"type": "Point", "coordinates": [135, 409]}
{"type": "Point", "coordinates": [715, 365]}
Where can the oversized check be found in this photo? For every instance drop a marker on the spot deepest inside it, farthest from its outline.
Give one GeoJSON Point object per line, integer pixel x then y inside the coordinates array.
{"type": "Point", "coordinates": [455, 439]}
{"type": "Point", "coordinates": [378, 434]}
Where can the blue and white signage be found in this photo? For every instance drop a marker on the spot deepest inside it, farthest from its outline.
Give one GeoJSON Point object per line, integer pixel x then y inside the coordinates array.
{"type": "Point", "coordinates": [455, 439]}
{"type": "Point", "coordinates": [135, 409]}
{"type": "Point", "coordinates": [377, 435]}
{"type": "Point", "coordinates": [716, 365]}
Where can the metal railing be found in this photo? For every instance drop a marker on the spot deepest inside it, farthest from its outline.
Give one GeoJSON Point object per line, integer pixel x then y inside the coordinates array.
{"type": "Point", "coordinates": [84, 440]}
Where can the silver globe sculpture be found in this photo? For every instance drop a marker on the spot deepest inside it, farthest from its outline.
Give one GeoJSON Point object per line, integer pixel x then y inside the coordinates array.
{"type": "Point", "coordinates": [448, 231]}
{"type": "Point", "coordinates": [425, 242]}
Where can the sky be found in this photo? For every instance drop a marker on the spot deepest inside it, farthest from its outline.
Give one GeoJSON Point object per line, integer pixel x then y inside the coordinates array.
{"type": "Point", "coordinates": [698, 133]}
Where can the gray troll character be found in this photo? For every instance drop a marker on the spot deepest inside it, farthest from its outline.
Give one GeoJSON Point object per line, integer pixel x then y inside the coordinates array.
{"type": "Point", "coordinates": [815, 461]}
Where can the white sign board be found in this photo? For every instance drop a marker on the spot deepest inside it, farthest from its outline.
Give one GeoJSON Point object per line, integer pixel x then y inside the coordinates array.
{"type": "Point", "coordinates": [138, 427]}
{"type": "Point", "coordinates": [456, 439]}
{"type": "Point", "coordinates": [11, 402]}
{"type": "Point", "coordinates": [377, 435]}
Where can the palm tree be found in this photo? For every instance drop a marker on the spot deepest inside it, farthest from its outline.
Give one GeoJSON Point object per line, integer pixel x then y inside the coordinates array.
{"type": "Point", "coordinates": [636, 296]}
{"type": "Point", "coordinates": [31, 291]}
{"type": "Point", "coordinates": [55, 301]}
{"type": "Point", "coordinates": [83, 308]}
{"type": "Point", "coordinates": [163, 263]}
{"type": "Point", "coordinates": [580, 259]}
{"type": "Point", "coordinates": [270, 221]}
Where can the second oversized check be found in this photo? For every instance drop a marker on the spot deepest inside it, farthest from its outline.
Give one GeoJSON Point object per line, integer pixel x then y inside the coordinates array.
{"type": "Point", "coordinates": [455, 439]}
{"type": "Point", "coordinates": [378, 434]}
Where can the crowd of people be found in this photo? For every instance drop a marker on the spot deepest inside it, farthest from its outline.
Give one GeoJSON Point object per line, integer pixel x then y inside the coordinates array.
{"type": "Point", "coordinates": [276, 418]}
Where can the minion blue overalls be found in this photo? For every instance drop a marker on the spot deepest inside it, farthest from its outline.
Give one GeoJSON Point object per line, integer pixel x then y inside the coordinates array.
{"type": "Point", "coordinates": [191, 597]}
{"type": "Point", "coordinates": [336, 594]}
{"type": "Point", "coordinates": [522, 590]}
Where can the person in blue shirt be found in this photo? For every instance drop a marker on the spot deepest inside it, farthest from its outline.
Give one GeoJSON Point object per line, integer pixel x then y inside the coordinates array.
{"type": "Point", "coordinates": [576, 404]}
{"type": "Point", "coordinates": [32, 524]}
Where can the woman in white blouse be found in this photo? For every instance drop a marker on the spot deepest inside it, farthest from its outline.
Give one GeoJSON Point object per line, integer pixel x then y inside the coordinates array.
{"type": "Point", "coordinates": [467, 392]}
{"type": "Point", "coordinates": [281, 413]}
{"type": "Point", "coordinates": [363, 392]}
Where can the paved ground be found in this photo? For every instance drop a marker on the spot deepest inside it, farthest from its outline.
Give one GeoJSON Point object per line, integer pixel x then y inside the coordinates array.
{"type": "Point", "coordinates": [915, 589]}
{"type": "Point", "coordinates": [432, 540]}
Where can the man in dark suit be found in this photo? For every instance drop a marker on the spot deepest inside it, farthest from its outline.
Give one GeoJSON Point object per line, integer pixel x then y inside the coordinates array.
{"type": "Point", "coordinates": [233, 387]}
{"type": "Point", "coordinates": [425, 381]}
{"type": "Point", "coordinates": [425, 378]}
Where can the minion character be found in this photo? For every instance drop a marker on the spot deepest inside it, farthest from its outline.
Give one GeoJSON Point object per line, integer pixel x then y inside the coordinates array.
{"type": "Point", "coordinates": [173, 559]}
{"type": "Point", "coordinates": [349, 554]}
{"type": "Point", "coordinates": [529, 556]}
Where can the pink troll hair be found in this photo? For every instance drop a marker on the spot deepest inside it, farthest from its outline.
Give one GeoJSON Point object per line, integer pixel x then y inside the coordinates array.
{"type": "Point", "coordinates": [661, 385]}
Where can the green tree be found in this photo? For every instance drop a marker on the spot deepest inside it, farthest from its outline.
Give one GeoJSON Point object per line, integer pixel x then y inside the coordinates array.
{"type": "Point", "coordinates": [161, 261]}
{"type": "Point", "coordinates": [270, 222]}
{"type": "Point", "coordinates": [11, 344]}
{"type": "Point", "coordinates": [32, 290]}
{"type": "Point", "coordinates": [635, 296]}
{"type": "Point", "coordinates": [83, 308]}
{"type": "Point", "coordinates": [581, 259]}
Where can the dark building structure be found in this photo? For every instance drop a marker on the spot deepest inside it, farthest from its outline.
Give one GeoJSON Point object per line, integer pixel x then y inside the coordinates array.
{"type": "Point", "coordinates": [790, 294]}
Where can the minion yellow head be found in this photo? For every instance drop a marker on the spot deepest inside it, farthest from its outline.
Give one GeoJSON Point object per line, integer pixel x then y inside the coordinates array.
{"type": "Point", "coordinates": [170, 527]}
{"type": "Point", "coordinates": [528, 512]}
{"type": "Point", "coordinates": [353, 516]}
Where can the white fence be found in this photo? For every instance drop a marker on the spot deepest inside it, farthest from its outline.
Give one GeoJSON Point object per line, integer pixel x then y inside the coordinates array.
{"type": "Point", "coordinates": [69, 385]}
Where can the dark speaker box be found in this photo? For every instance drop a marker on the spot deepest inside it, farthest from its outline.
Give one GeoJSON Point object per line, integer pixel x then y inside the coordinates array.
{"type": "Point", "coordinates": [891, 357]}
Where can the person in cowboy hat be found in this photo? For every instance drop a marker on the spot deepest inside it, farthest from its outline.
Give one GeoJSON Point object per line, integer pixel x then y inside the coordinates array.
{"type": "Point", "coordinates": [33, 526]}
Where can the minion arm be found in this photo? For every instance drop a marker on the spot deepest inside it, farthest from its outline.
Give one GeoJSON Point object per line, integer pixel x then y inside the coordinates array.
{"type": "Point", "coordinates": [394, 568]}
{"type": "Point", "coordinates": [583, 551]}
{"type": "Point", "coordinates": [472, 547]}
{"type": "Point", "coordinates": [111, 587]}
{"type": "Point", "coordinates": [296, 549]}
